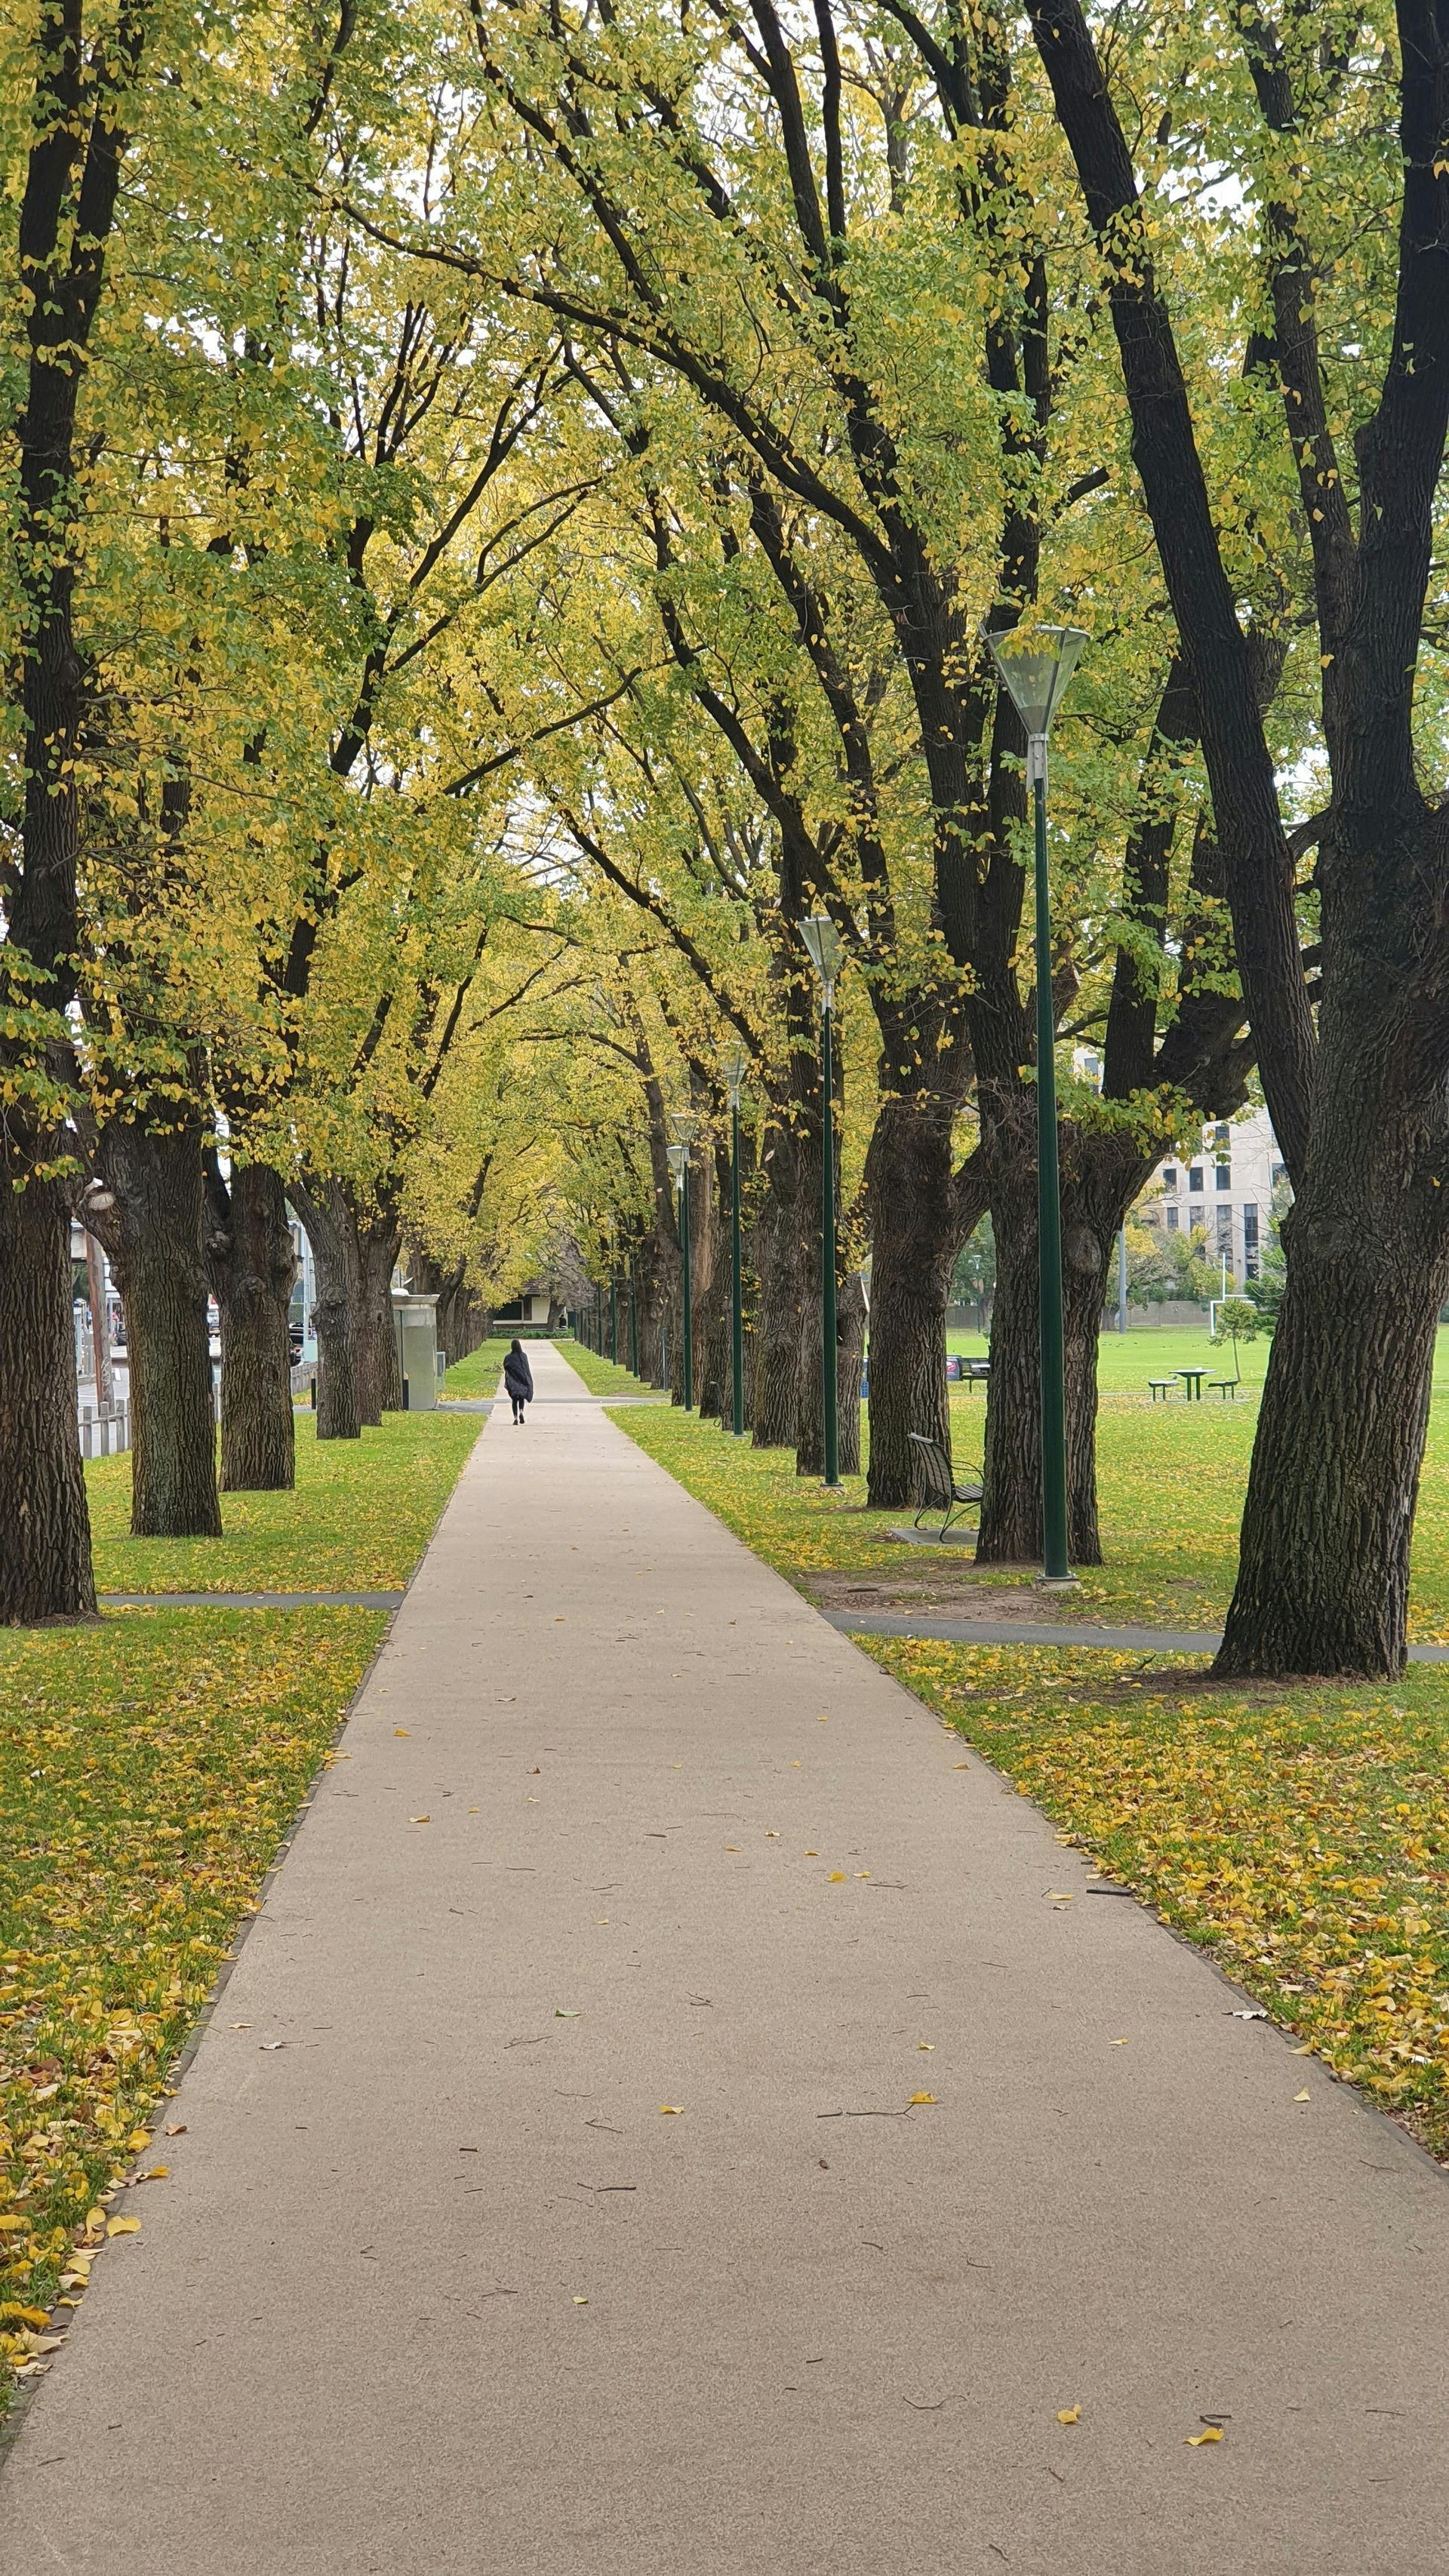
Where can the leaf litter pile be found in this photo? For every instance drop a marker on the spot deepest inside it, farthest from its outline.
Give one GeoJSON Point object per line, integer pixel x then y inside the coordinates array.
{"type": "Point", "coordinates": [1300, 1834]}
{"type": "Point", "coordinates": [149, 1768]}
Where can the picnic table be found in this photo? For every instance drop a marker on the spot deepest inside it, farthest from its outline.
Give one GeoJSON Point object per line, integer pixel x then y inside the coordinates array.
{"type": "Point", "coordinates": [1192, 1379]}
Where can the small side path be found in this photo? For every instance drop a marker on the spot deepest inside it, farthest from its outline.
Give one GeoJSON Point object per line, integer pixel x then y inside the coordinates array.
{"type": "Point", "coordinates": [549, 2194]}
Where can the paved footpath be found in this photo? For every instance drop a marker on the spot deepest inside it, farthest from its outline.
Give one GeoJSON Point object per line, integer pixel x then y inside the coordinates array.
{"type": "Point", "coordinates": [437, 2286]}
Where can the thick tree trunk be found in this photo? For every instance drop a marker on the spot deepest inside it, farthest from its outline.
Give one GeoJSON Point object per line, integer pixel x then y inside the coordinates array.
{"type": "Point", "coordinates": [380, 1375]}
{"type": "Point", "coordinates": [916, 1231]}
{"type": "Point", "coordinates": [1100, 1177]}
{"type": "Point", "coordinates": [775, 1383]}
{"type": "Point", "coordinates": [150, 1219]}
{"type": "Point", "coordinates": [850, 1353]}
{"type": "Point", "coordinates": [45, 1557]}
{"type": "Point", "coordinates": [253, 1269]}
{"type": "Point", "coordinates": [1323, 1574]}
{"type": "Point", "coordinates": [337, 1414]}
{"type": "Point", "coordinates": [809, 1281]}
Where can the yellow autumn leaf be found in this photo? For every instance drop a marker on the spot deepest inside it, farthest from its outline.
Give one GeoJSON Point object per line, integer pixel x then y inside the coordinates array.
{"type": "Point", "coordinates": [1302, 2097]}
{"type": "Point", "coordinates": [1069, 2414]}
{"type": "Point", "coordinates": [1209, 2433]}
{"type": "Point", "coordinates": [670, 2110]}
{"type": "Point", "coordinates": [420, 1820]}
{"type": "Point", "coordinates": [402, 1730]}
{"type": "Point", "coordinates": [836, 1878]}
{"type": "Point", "coordinates": [154, 2173]}
{"type": "Point", "coordinates": [922, 2097]}
{"type": "Point", "coordinates": [123, 2227]}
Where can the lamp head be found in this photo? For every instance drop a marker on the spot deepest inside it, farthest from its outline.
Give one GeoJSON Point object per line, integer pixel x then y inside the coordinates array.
{"type": "Point", "coordinates": [678, 1161]}
{"type": "Point", "coordinates": [1034, 664]}
{"type": "Point", "coordinates": [735, 1067]}
{"type": "Point", "coordinates": [825, 945]}
{"type": "Point", "coordinates": [684, 1126]}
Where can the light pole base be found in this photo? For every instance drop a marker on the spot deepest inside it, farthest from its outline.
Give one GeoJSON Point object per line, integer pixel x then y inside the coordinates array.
{"type": "Point", "coordinates": [1055, 1583]}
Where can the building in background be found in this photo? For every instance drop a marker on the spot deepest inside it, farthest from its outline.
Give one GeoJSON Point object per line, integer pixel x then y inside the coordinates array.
{"type": "Point", "coordinates": [1226, 1189]}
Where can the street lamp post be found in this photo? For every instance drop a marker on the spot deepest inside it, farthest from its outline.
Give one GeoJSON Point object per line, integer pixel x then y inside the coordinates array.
{"type": "Point", "coordinates": [1034, 665]}
{"type": "Point", "coordinates": [685, 1126]}
{"type": "Point", "coordinates": [736, 1066]}
{"type": "Point", "coordinates": [823, 941]}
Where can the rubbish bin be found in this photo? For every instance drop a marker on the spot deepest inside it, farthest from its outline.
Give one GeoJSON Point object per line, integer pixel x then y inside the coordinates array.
{"type": "Point", "coordinates": [415, 1322]}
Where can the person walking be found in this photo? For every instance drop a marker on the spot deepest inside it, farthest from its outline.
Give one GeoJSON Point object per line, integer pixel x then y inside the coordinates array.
{"type": "Point", "coordinates": [518, 1378]}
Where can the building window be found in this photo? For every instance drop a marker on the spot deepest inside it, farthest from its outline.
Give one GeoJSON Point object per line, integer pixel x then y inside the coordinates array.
{"type": "Point", "coordinates": [1250, 1242]}
{"type": "Point", "coordinates": [1225, 1176]}
{"type": "Point", "coordinates": [1172, 1220]}
{"type": "Point", "coordinates": [1280, 1173]}
{"type": "Point", "coordinates": [1225, 1231]}
{"type": "Point", "coordinates": [1194, 1178]}
{"type": "Point", "coordinates": [1220, 1139]}
{"type": "Point", "coordinates": [1169, 1177]}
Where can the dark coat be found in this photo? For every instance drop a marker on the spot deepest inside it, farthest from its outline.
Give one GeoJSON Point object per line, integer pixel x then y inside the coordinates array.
{"type": "Point", "coordinates": [517, 1375]}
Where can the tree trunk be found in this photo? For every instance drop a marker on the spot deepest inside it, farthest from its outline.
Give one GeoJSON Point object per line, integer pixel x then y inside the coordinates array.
{"type": "Point", "coordinates": [850, 1353]}
{"type": "Point", "coordinates": [45, 1561]}
{"type": "Point", "coordinates": [776, 1376]}
{"type": "Point", "coordinates": [809, 1281]}
{"type": "Point", "coordinates": [1323, 1574]}
{"type": "Point", "coordinates": [1100, 1176]}
{"type": "Point", "coordinates": [253, 1270]}
{"type": "Point", "coordinates": [150, 1218]}
{"type": "Point", "coordinates": [916, 1232]}
{"type": "Point", "coordinates": [337, 1414]}
{"type": "Point", "coordinates": [380, 1373]}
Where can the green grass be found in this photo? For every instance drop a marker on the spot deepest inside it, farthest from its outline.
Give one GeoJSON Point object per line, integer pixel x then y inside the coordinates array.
{"type": "Point", "coordinates": [359, 1519]}
{"type": "Point", "coordinates": [1301, 1836]}
{"type": "Point", "coordinates": [603, 1376]}
{"type": "Point", "coordinates": [478, 1374]}
{"type": "Point", "coordinates": [1171, 1480]}
{"type": "Point", "coordinates": [149, 1766]}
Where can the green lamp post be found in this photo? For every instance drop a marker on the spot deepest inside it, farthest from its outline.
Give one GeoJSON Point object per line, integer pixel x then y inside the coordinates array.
{"type": "Point", "coordinates": [1034, 665]}
{"type": "Point", "coordinates": [826, 948]}
{"type": "Point", "coordinates": [736, 1067]}
{"type": "Point", "coordinates": [686, 1128]}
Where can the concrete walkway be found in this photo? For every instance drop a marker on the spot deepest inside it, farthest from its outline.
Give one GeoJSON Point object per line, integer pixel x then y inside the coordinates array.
{"type": "Point", "coordinates": [439, 2287]}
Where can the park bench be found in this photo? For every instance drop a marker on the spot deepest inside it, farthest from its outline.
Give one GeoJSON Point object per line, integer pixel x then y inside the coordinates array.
{"type": "Point", "coordinates": [937, 1485]}
{"type": "Point", "coordinates": [978, 1372]}
{"type": "Point", "coordinates": [1161, 1386]}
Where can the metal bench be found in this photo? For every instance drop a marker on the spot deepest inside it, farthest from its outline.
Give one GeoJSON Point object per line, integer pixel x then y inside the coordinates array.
{"type": "Point", "coordinates": [1161, 1386]}
{"type": "Point", "coordinates": [937, 1485]}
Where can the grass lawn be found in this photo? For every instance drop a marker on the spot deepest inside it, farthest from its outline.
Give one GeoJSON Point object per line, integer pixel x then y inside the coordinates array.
{"type": "Point", "coordinates": [601, 1376]}
{"type": "Point", "coordinates": [149, 1766]}
{"type": "Point", "coordinates": [478, 1374]}
{"type": "Point", "coordinates": [359, 1519]}
{"type": "Point", "coordinates": [1171, 1479]}
{"type": "Point", "coordinates": [1301, 1836]}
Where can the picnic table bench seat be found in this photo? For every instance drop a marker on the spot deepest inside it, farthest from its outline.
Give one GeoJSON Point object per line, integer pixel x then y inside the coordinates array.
{"type": "Point", "coordinates": [937, 1484]}
{"type": "Point", "coordinates": [1161, 1386]}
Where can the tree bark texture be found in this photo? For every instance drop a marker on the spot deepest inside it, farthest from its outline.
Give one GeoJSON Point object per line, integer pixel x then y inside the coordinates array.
{"type": "Point", "coordinates": [850, 1313]}
{"type": "Point", "coordinates": [1323, 1572]}
{"type": "Point", "coordinates": [252, 1266]}
{"type": "Point", "coordinates": [916, 1233]}
{"type": "Point", "coordinates": [776, 1376]}
{"type": "Point", "coordinates": [338, 1417]}
{"type": "Point", "coordinates": [45, 1555]}
{"type": "Point", "coordinates": [152, 1230]}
